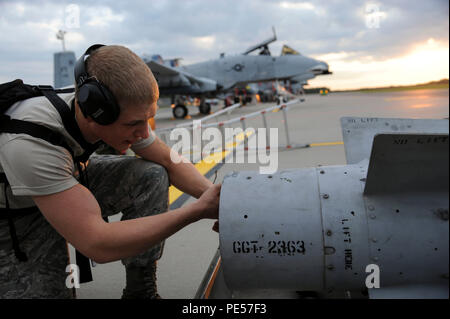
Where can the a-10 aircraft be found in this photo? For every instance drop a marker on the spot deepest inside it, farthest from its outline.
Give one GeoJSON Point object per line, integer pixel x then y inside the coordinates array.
{"type": "Point", "coordinates": [210, 78]}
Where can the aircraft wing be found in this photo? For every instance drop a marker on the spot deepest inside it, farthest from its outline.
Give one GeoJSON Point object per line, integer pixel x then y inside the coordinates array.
{"type": "Point", "coordinates": [160, 69]}
{"type": "Point", "coordinates": [175, 81]}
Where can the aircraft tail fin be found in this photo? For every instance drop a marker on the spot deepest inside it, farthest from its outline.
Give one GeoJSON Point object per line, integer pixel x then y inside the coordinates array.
{"type": "Point", "coordinates": [408, 163]}
{"type": "Point", "coordinates": [358, 132]}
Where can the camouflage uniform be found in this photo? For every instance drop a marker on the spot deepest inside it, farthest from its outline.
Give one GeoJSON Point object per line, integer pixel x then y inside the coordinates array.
{"type": "Point", "coordinates": [126, 184]}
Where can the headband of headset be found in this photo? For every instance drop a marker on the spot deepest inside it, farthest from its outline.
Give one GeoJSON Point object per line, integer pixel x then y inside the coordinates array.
{"type": "Point", "coordinates": [94, 98]}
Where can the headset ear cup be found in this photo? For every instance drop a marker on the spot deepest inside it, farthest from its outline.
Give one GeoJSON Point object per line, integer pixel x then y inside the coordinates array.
{"type": "Point", "coordinates": [98, 103]}
{"type": "Point", "coordinates": [82, 99]}
{"type": "Point", "coordinates": [95, 100]}
{"type": "Point", "coordinates": [91, 101]}
{"type": "Point", "coordinates": [112, 106]}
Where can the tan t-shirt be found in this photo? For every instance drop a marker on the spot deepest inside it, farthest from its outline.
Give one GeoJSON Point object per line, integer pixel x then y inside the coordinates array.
{"type": "Point", "coordinates": [34, 166]}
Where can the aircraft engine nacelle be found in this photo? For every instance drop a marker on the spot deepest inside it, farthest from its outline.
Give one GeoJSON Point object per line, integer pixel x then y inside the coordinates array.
{"type": "Point", "coordinates": [207, 85]}
{"type": "Point", "coordinates": [339, 230]}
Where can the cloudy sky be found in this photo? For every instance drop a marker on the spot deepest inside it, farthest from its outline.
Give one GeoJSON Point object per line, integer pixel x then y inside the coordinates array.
{"type": "Point", "coordinates": [366, 43]}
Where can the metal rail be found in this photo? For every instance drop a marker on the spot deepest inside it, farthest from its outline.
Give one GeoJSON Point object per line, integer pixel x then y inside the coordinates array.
{"type": "Point", "coordinates": [164, 133]}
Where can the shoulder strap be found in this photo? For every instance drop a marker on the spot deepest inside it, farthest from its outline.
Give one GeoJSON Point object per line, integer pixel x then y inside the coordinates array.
{"type": "Point", "coordinates": [39, 131]}
{"type": "Point", "coordinates": [68, 118]}
{"type": "Point", "coordinates": [17, 91]}
{"type": "Point", "coordinates": [9, 213]}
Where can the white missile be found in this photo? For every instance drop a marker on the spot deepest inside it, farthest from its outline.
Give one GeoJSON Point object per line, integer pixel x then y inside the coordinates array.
{"type": "Point", "coordinates": [377, 226]}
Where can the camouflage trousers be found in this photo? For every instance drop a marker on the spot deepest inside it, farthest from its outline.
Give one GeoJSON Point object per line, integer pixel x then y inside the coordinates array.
{"type": "Point", "coordinates": [126, 184]}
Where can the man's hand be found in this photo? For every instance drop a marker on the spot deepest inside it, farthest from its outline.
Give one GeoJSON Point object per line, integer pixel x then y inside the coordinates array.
{"type": "Point", "coordinates": [208, 203]}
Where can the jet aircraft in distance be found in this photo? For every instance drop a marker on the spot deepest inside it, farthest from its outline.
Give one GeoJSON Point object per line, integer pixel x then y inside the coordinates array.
{"type": "Point", "coordinates": [214, 77]}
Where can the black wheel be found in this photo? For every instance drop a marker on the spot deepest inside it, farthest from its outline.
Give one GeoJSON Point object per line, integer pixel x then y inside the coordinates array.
{"type": "Point", "coordinates": [205, 108]}
{"type": "Point", "coordinates": [237, 99]}
{"type": "Point", "coordinates": [180, 111]}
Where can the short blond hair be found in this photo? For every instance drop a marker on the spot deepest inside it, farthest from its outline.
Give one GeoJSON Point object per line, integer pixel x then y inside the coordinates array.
{"type": "Point", "coordinates": [125, 74]}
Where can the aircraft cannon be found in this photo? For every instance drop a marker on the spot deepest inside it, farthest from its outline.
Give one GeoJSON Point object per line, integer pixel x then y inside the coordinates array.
{"type": "Point", "coordinates": [338, 230]}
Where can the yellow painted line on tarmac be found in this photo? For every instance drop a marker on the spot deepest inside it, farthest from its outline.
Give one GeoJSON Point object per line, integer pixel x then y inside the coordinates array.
{"type": "Point", "coordinates": [326, 144]}
{"type": "Point", "coordinates": [208, 163]}
{"type": "Point", "coordinates": [174, 193]}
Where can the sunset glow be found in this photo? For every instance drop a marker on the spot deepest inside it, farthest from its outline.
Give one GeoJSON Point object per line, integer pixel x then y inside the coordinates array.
{"type": "Point", "coordinates": [427, 61]}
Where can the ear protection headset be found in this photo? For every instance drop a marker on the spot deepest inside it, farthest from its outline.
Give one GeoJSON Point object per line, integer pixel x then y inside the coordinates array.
{"type": "Point", "coordinates": [94, 98]}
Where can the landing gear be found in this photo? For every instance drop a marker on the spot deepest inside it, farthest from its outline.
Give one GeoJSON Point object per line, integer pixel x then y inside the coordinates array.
{"type": "Point", "coordinates": [205, 107]}
{"type": "Point", "coordinates": [227, 101]}
{"type": "Point", "coordinates": [242, 96]}
{"type": "Point", "coordinates": [180, 111]}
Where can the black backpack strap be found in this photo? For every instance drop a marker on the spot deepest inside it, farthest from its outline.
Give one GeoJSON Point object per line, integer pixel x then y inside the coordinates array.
{"type": "Point", "coordinates": [68, 117]}
{"type": "Point", "coordinates": [62, 91]}
{"type": "Point", "coordinates": [9, 125]}
{"type": "Point", "coordinates": [9, 213]}
{"type": "Point", "coordinates": [59, 104]}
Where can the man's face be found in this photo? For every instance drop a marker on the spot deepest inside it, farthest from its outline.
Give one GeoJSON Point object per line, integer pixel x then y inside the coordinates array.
{"type": "Point", "coordinates": [130, 127]}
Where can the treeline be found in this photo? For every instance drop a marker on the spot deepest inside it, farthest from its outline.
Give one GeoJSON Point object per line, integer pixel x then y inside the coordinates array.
{"type": "Point", "coordinates": [441, 84]}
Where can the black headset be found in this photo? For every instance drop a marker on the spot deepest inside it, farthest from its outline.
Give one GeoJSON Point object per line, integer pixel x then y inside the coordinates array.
{"type": "Point", "coordinates": [94, 98]}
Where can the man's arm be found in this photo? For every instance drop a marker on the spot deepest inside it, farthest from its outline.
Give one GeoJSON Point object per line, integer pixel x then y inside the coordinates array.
{"type": "Point", "coordinates": [76, 215]}
{"type": "Point", "coordinates": [182, 174]}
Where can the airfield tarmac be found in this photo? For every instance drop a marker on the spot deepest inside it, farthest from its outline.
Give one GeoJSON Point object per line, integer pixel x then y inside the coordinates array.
{"type": "Point", "coordinates": [316, 121]}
